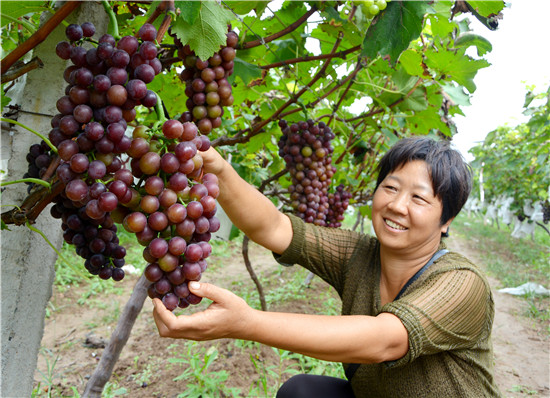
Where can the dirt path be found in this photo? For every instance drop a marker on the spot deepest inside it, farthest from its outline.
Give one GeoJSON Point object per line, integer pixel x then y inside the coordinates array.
{"type": "Point", "coordinates": [522, 357]}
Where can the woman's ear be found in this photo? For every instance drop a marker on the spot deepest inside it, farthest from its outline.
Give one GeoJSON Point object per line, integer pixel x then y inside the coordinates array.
{"type": "Point", "coordinates": [445, 227]}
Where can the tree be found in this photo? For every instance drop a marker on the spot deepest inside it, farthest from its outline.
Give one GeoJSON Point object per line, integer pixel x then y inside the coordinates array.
{"type": "Point", "coordinates": [405, 69]}
{"type": "Point", "coordinates": [514, 160]}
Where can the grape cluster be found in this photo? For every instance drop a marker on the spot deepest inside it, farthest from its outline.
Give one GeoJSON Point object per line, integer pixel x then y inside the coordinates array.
{"type": "Point", "coordinates": [546, 211]}
{"type": "Point", "coordinates": [172, 213]}
{"type": "Point", "coordinates": [306, 149]}
{"type": "Point", "coordinates": [206, 84]}
{"type": "Point", "coordinates": [95, 240]}
{"type": "Point", "coordinates": [39, 158]}
{"type": "Point", "coordinates": [338, 203]}
{"type": "Point", "coordinates": [372, 8]}
{"type": "Point", "coordinates": [105, 84]}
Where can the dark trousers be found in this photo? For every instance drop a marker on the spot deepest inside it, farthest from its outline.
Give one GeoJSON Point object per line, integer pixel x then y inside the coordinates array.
{"type": "Point", "coordinates": [314, 386]}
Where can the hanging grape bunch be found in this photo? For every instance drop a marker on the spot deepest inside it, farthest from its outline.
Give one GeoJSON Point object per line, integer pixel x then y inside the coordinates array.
{"type": "Point", "coordinates": [546, 211]}
{"type": "Point", "coordinates": [306, 149]}
{"type": "Point", "coordinates": [206, 84]}
{"type": "Point", "coordinates": [338, 203]}
{"type": "Point", "coordinates": [372, 8]}
{"type": "Point", "coordinates": [172, 213]}
{"type": "Point", "coordinates": [105, 84]}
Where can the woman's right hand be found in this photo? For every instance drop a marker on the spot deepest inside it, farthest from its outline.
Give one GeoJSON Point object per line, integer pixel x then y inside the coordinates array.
{"type": "Point", "coordinates": [213, 162]}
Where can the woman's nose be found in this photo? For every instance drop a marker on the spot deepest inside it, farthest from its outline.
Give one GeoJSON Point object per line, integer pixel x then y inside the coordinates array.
{"type": "Point", "coordinates": [399, 204]}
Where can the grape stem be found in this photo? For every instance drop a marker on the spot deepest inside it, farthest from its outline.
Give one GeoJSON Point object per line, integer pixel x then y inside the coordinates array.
{"type": "Point", "coordinates": [113, 24]}
{"type": "Point", "coordinates": [39, 36]}
{"type": "Point", "coordinates": [159, 109]}
{"type": "Point", "coordinates": [31, 180]}
{"type": "Point", "coordinates": [275, 36]}
{"type": "Point", "coordinates": [39, 232]}
{"type": "Point", "coordinates": [46, 140]}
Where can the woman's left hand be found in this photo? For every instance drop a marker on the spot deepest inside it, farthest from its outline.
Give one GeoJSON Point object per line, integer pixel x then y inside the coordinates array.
{"type": "Point", "coordinates": [227, 316]}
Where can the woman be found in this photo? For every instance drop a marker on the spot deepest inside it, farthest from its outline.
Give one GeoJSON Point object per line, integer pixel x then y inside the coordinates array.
{"type": "Point", "coordinates": [416, 320]}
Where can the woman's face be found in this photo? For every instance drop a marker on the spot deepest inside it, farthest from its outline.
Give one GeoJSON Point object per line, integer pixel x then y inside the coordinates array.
{"type": "Point", "coordinates": [406, 214]}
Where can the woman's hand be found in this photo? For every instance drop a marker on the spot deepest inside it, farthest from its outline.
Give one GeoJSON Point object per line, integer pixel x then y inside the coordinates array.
{"type": "Point", "coordinates": [213, 162]}
{"type": "Point", "coordinates": [227, 316]}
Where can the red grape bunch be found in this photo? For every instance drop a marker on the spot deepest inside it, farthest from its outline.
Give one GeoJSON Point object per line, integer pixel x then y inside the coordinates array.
{"type": "Point", "coordinates": [173, 210]}
{"type": "Point", "coordinates": [338, 204]}
{"type": "Point", "coordinates": [105, 84]}
{"type": "Point", "coordinates": [306, 149]}
{"type": "Point", "coordinates": [206, 84]}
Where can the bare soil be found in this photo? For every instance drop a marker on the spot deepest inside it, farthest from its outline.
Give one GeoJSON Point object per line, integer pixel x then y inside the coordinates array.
{"type": "Point", "coordinates": [74, 334]}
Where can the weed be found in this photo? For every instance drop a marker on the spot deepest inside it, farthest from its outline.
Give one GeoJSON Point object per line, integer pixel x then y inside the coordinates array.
{"type": "Point", "coordinates": [204, 382]}
{"type": "Point", "coordinates": [522, 389]}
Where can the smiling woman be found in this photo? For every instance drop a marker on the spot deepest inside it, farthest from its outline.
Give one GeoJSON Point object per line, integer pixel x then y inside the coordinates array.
{"type": "Point", "coordinates": [416, 319]}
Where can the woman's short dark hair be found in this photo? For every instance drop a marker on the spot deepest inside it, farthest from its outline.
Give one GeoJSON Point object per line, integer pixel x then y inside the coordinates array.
{"type": "Point", "coordinates": [450, 174]}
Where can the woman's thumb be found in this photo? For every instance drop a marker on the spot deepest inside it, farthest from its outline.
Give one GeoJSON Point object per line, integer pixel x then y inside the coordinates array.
{"type": "Point", "coordinates": [207, 290]}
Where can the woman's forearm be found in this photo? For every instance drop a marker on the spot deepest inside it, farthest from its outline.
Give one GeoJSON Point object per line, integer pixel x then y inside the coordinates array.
{"type": "Point", "coordinates": [251, 211]}
{"type": "Point", "coordinates": [349, 339]}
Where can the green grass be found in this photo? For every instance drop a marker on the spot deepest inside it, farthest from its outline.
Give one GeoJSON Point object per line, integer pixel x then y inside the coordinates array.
{"type": "Point", "coordinates": [511, 260]}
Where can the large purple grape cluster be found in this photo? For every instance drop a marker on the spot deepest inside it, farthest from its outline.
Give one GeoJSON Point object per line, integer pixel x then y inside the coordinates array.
{"type": "Point", "coordinates": [306, 149]}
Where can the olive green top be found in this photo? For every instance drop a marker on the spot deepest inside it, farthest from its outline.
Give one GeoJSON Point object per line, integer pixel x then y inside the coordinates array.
{"type": "Point", "coordinates": [448, 313]}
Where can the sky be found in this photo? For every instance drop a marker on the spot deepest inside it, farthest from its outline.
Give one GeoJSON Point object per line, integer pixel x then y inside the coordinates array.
{"type": "Point", "coordinates": [520, 57]}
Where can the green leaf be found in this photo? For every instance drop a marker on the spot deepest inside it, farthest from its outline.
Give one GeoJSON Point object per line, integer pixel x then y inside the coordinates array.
{"type": "Point", "coordinates": [15, 9]}
{"type": "Point", "coordinates": [457, 94]}
{"type": "Point", "coordinates": [416, 101]}
{"type": "Point", "coordinates": [412, 62]}
{"type": "Point", "coordinates": [246, 71]}
{"type": "Point", "coordinates": [207, 33]}
{"type": "Point", "coordinates": [487, 8]}
{"type": "Point", "coordinates": [468, 39]}
{"type": "Point", "coordinates": [365, 211]}
{"type": "Point", "coordinates": [460, 68]}
{"type": "Point", "coordinates": [5, 100]}
{"type": "Point", "coordinates": [244, 7]}
{"type": "Point", "coordinates": [4, 226]}
{"type": "Point", "coordinates": [257, 142]}
{"type": "Point", "coordinates": [190, 10]}
{"type": "Point", "coordinates": [399, 24]}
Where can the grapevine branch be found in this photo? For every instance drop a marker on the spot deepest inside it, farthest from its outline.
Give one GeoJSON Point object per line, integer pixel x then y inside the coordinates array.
{"type": "Point", "coordinates": [257, 128]}
{"type": "Point", "coordinates": [33, 205]}
{"type": "Point", "coordinates": [288, 29]}
{"type": "Point", "coordinates": [20, 70]}
{"type": "Point", "coordinates": [95, 385]}
{"type": "Point", "coordinates": [351, 76]}
{"type": "Point", "coordinates": [252, 273]}
{"type": "Point", "coordinates": [340, 54]}
{"type": "Point", "coordinates": [39, 36]}
{"type": "Point", "coordinates": [350, 83]}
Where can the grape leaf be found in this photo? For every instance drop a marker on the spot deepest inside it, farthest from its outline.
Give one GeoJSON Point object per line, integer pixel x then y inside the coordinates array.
{"type": "Point", "coordinates": [411, 61]}
{"type": "Point", "coordinates": [460, 68]}
{"type": "Point", "coordinates": [416, 101]}
{"type": "Point", "coordinates": [247, 72]}
{"type": "Point", "coordinates": [190, 10]}
{"type": "Point", "coordinates": [14, 9]}
{"type": "Point", "coordinates": [487, 8]}
{"type": "Point", "coordinates": [391, 34]}
{"type": "Point", "coordinates": [457, 94]}
{"type": "Point", "coordinates": [468, 39]}
{"type": "Point", "coordinates": [244, 7]}
{"type": "Point", "coordinates": [207, 33]}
